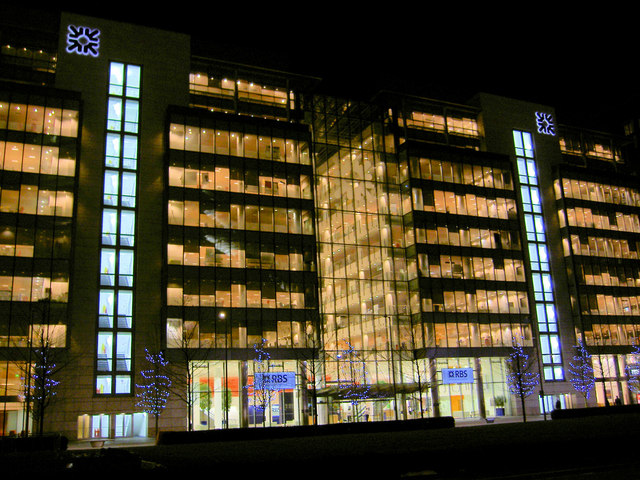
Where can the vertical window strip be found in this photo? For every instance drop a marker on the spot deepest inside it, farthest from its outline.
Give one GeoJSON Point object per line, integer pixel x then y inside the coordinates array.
{"type": "Point", "coordinates": [115, 309]}
{"type": "Point", "coordinates": [538, 260]}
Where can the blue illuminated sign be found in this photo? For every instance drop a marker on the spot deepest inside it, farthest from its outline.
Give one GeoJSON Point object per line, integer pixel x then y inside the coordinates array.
{"type": "Point", "coordinates": [457, 375]}
{"type": "Point", "coordinates": [274, 381]}
{"type": "Point", "coordinates": [83, 40]}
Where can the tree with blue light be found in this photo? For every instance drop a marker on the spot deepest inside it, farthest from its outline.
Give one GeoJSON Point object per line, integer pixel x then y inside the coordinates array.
{"type": "Point", "coordinates": [262, 395]}
{"type": "Point", "coordinates": [633, 369]}
{"type": "Point", "coordinates": [581, 372]}
{"type": "Point", "coordinates": [352, 382]}
{"type": "Point", "coordinates": [154, 391]}
{"type": "Point", "coordinates": [521, 380]}
{"type": "Point", "coordinates": [40, 387]}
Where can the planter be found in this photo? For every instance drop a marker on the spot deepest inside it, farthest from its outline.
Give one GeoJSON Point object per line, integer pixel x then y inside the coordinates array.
{"type": "Point", "coordinates": [499, 411]}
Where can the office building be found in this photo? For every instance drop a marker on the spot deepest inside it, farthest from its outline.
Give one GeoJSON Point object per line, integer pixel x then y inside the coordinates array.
{"type": "Point", "coordinates": [297, 257]}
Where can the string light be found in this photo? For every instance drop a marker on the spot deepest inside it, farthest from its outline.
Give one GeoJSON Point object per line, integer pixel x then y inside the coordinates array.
{"type": "Point", "coordinates": [581, 371]}
{"type": "Point", "coordinates": [520, 380]}
{"type": "Point", "coordinates": [262, 396]}
{"type": "Point", "coordinates": [155, 391]}
{"type": "Point", "coordinates": [43, 386]}
{"type": "Point", "coordinates": [633, 370]}
{"type": "Point", "coordinates": [353, 382]}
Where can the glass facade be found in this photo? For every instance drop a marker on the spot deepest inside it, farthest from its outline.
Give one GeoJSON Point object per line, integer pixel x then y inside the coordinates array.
{"type": "Point", "coordinates": [241, 265]}
{"type": "Point", "coordinates": [362, 263]}
{"type": "Point", "coordinates": [38, 152]}
{"type": "Point", "coordinates": [601, 238]}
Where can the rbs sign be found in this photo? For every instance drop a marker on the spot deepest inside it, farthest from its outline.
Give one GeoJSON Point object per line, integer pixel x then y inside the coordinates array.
{"type": "Point", "coordinates": [274, 381]}
{"type": "Point", "coordinates": [457, 375]}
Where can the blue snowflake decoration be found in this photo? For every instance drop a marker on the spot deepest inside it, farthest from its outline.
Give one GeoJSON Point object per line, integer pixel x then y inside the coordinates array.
{"type": "Point", "coordinates": [545, 123]}
{"type": "Point", "coordinates": [83, 40]}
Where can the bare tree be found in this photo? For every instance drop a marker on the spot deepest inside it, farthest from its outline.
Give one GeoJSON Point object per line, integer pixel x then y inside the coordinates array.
{"type": "Point", "coordinates": [185, 357]}
{"type": "Point", "coordinates": [154, 390]}
{"type": "Point", "coordinates": [39, 355]}
{"type": "Point", "coordinates": [581, 372]}
{"type": "Point", "coordinates": [522, 381]}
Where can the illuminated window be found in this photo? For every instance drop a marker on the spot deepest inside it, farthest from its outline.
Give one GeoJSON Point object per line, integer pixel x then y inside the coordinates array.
{"type": "Point", "coordinates": [538, 257]}
{"type": "Point", "coordinates": [115, 308]}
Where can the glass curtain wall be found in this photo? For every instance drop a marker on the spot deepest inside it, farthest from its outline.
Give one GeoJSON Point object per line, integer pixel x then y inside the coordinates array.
{"type": "Point", "coordinates": [362, 265]}
{"type": "Point", "coordinates": [601, 239]}
{"type": "Point", "coordinates": [38, 151]}
{"type": "Point", "coordinates": [467, 279]}
{"type": "Point", "coordinates": [241, 268]}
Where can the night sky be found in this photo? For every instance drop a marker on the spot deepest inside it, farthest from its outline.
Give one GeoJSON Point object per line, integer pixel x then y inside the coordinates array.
{"type": "Point", "coordinates": [582, 63]}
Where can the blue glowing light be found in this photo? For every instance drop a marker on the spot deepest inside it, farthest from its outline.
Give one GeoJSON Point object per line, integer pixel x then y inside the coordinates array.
{"type": "Point", "coordinates": [83, 40]}
{"type": "Point", "coordinates": [545, 123]}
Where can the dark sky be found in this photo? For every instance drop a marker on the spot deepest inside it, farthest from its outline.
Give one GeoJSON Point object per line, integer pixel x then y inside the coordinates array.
{"type": "Point", "coordinates": [581, 63]}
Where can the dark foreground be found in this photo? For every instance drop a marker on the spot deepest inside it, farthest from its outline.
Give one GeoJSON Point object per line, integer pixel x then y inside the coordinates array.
{"type": "Point", "coordinates": [600, 448]}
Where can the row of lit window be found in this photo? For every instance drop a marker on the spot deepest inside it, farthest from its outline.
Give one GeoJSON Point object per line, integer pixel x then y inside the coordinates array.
{"type": "Point", "coordinates": [372, 299]}
{"type": "Point", "coordinates": [601, 304]}
{"type": "Point", "coordinates": [601, 247]}
{"type": "Point", "coordinates": [370, 333]}
{"type": "Point", "coordinates": [615, 334]}
{"type": "Point", "coordinates": [464, 204]}
{"type": "Point", "coordinates": [348, 363]}
{"type": "Point", "coordinates": [362, 262]}
{"type": "Point", "coordinates": [462, 334]}
{"type": "Point", "coordinates": [430, 121]}
{"type": "Point", "coordinates": [237, 254]}
{"type": "Point", "coordinates": [464, 174]}
{"type": "Point", "coordinates": [28, 158]}
{"type": "Point", "coordinates": [478, 268]}
{"type": "Point", "coordinates": [593, 149]}
{"type": "Point", "coordinates": [480, 301]}
{"type": "Point", "coordinates": [610, 275]}
{"type": "Point", "coordinates": [598, 192]}
{"type": "Point", "coordinates": [247, 90]}
{"type": "Point", "coordinates": [280, 334]}
{"type": "Point", "coordinates": [33, 289]}
{"type": "Point", "coordinates": [99, 426]}
{"type": "Point", "coordinates": [604, 220]}
{"type": "Point", "coordinates": [360, 229]}
{"type": "Point", "coordinates": [29, 199]}
{"type": "Point", "coordinates": [37, 336]}
{"type": "Point", "coordinates": [366, 332]}
{"type": "Point", "coordinates": [236, 179]}
{"type": "Point", "coordinates": [223, 142]}
{"type": "Point", "coordinates": [35, 242]}
{"type": "Point", "coordinates": [243, 217]}
{"type": "Point", "coordinates": [256, 294]}
{"type": "Point", "coordinates": [360, 162]}
{"type": "Point", "coordinates": [39, 119]}
{"type": "Point", "coordinates": [360, 196]}
{"type": "Point", "coordinates": [468, 237]}
{"type": "Point", "coordinates": [339, 288]}
{"type": "Point", "coordinates": [39, 60]}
